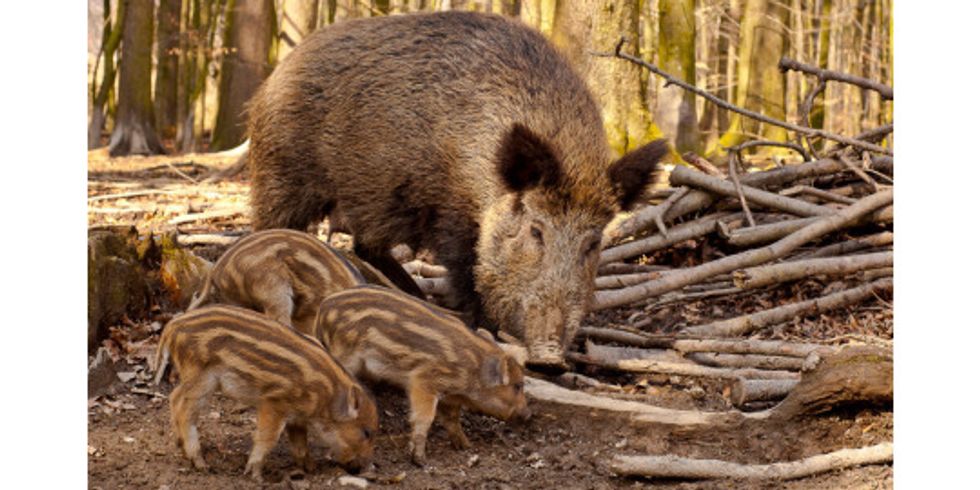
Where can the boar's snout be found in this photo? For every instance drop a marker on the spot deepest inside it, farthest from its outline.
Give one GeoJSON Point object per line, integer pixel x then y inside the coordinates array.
{"type": "Point", "coordinates": [543, 336]}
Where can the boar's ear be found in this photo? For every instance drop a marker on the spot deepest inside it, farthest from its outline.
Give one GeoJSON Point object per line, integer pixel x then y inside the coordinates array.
{"type": "Point", "coordinates": [482, 332]}
{"type": "Point", "coordinates": [346, 404]}
{"type": "Point", "coordinates": [631, 173]}
{"type": "Point", "coordinates": [493, 372]}
{"type": "Point", "coordinates": [524, 160]}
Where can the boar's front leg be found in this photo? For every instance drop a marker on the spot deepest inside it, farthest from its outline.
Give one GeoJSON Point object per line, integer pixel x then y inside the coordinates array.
{"type": "Point", "coordinates": [269, 425]}
{"type": "Point", "coordinates": [422, 402]}
{"type": "Point", "coordinates": [390, 267]}
{"type": "Point", "coordinates": [299, 445]}
{"type": "Point", "coordinates": [449, 418]}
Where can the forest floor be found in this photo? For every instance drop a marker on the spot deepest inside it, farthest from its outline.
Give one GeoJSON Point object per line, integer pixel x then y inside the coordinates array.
{"type": "Point", "coordinates": [131, 445]}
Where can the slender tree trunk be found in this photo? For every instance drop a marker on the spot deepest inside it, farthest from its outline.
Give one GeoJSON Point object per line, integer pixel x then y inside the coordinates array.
{"type": "Point", "coordinates": [676, 113]}
{"type": "Point", "coordinates": [823, 51]}
{"type": "Point", "coordinates": [165, 88]}
{"type": "Point", "coordinates": [761, 85]}
{"type": "Point", "coordinates": [134, 132]}
{"type": "Point", "coordinates": [250, 28]}
{"type": "Point", "coordinates": [111, 37]}
{"type": "Point", "coordinates": [596, 25]}
{"type": "Point", "coordinates": [298, 21]}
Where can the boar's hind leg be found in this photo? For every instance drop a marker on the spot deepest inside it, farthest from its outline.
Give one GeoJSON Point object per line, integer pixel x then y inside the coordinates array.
{"type": "Point", "coordinates": [449, 418]}
{"type": "Point", "coordinates": [269, 425]}
{"type": "Point", "coordinates": [390, 267]}
{"type": "Point", "coordinates": [298, 444]}
{"type": "Point", "coordinates": [186, 402]}
{"type": "Point", "coordinates": [422, 402]}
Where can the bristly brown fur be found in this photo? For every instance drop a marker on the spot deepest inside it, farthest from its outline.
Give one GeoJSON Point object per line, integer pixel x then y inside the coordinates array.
{"type": "Point", "coordinates": [385, 335]}
{"type": "Point", "coordinates": [289, 378]}
{"type": "Point", "coordinates": [431, 130]}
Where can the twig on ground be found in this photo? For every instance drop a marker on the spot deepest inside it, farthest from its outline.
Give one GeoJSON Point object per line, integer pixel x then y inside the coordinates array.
{"type": "Point", "coordinates": [677, 368]}
{"type": "Point", "coordinates": [754, 361]}
{"type": "Point", "coordinates": [744, 324]}
{"type": "Point", "coordinates": [671, 466]}
{"type": "Point", "coordinates": [208, 239]}
{"type": "Point", "coordinates": [743, 391]}
{"type": "Point", "coordinates": [751, 346]}
{"type": "Point", "coordinates": [856, 245]}
{"type": "Point", "coordinates": [698, 162]}
{"type": "Point", "coordinates": [684, 176]}
{"type": "Point", "coordinates": [216, 213]}
{"type": "Point", "coordinates": [662, 208]}
{"type": "Point", "coordinates": [765, 275]}
{"type": "Point", "coordinates": [733, 158]}
{"type": "Point", "coordinates": [624, 280]}
{"type": "Point", "coordinates": [820, 193]}
{"type": "Point", "coordinates": [777, 250]}
{"type": "Point", "coordinates": [692, 229]}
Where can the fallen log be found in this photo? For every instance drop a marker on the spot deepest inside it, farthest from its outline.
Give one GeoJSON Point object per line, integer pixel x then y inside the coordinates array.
{"type": "Point", "coordinates": [744, 391]}
{"type": "Point", "coordinates": [683, 176]}
{"type": "Point", "coordinates": [625, 338]}
{"type": "Point", "coordinates": [677, 368]}
{"type": "Point", "coordinates": [750, 346]}
{"type": "Point", "coordinates": [746, 237]}
{"type": "Point", "coordinates": [856, 374]}
{"type": "Point", "coordinates": [617, 268]}
{"type": "Point", "coordinates": [608, 354]}
{"type": "Point", "coordinates": [624, 280]}
{"type": "Point", "coordinates": [744, 324]}
{"type": "Point", "coordinates": [819, 193]}
{"type": "Point", "coordinates": [694, 275]}
{"type": "Point", "coordinates": [764, 275]}
{"type": "Point", "coordinates": [753, 361]}
{"type": "Point", "coordinates": [671, 466]}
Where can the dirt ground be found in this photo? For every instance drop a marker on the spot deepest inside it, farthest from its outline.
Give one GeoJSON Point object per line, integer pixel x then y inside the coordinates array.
{"type": "Point", "coordinates": [131, 445]}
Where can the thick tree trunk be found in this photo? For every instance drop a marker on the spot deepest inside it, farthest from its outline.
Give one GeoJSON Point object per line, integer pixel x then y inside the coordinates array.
{"type": "Point", "coordinates": [111, 36]}
{"type": "Point", "coordinates": [596, 25]}
{"type": "Point", "coordinates": [298, 21]}
{"type": "Point", "coordinates": [251, 25]}
{"type": "Point", "coordinates": [165, 88]}
{"type": "Point", "coordinates": [761, 85]}
{"type": "Point", "coordinates": [676, 114]}
{"type": "Point", "coordinates": [134, 132]}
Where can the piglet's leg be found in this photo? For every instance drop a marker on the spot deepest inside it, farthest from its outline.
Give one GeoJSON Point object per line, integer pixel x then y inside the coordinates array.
{"type": "Point", "coordinates": [269, 425]}
{"type": "Point", "coordinates": [449, 418]}
{"type": "Point", "coordinates": [298, 444]}
{"type": "Point", "coordinates": [423, 405]}
{"type": "Point", "coordinates": [185, 405]}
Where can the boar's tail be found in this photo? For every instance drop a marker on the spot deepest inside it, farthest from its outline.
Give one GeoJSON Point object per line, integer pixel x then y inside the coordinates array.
{"type": "Point", "coordinates": [162, 357]}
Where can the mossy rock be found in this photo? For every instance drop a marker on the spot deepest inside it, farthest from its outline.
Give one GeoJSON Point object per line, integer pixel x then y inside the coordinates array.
{"type": "Point", "coordinates": [117, 282]}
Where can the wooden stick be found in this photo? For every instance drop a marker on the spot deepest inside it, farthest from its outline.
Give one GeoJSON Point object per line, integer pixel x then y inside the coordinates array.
{"type": "Point", "coordinates": [764, 275]}
{"type": "Point", "coordinates": [542, 390]}
{"type": "Point", "coordinates": [625, 338]}
{"type": "Point", "coordinates": [678, 368]}
{"type": "Point", "coordinates": [617, 268]}
{"type": "Point", "coordinates": [745, 391]}
{"type": "Point", "coordinates": [856, 245]}
{"type": "Point", "coordinates": [751, 346]}
{"type": "Point", "coordinates": [694, 275]}
{"type": "Point", "coordinates": [820, 193]}
{"type": "Point", "coordinates": [207, 239]}
{"type": "Point", "coordinates": [692, 229]}
{"type": "Point", "coordinates": [700, 163]}
{"type": "Point", "coordinates": [836, 76]}
{"type": "Point", "coordinates": [664, 207]}
{"type": "Point", "coordinates": [746, 237]}
{"type": "Point", "coordinates": [624, 280]}
{"type": "Point", "coordinates": [741, 325]}
{"type": "Point", "coordinates": [754, 361]}
{"type": "Point", "coordinates": [671, 466]}
{"type": "Point", "coordinates": [733, 174]}
{"type": "Point", "coordinates": [216, 213]}
{"type": "Point", "coordinates": [696, 200]}
{"type": "Point", "coordinates": [683, 176]}
{"type": "Point", "coordinates": [811, 132]}
{"type": "Point", "coordinates": [124, 195]}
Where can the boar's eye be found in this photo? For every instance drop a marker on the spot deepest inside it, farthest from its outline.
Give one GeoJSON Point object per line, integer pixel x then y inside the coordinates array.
{"type": "Point", "coordinates": [518, 386]}
{"type": "Point", "coordinates": [367, 433]}
{"type": "Point", "coordinates": [536, 233]}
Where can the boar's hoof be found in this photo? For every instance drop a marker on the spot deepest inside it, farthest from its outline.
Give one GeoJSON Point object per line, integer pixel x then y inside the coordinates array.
{"type": "Point", "coordinates": [199, 463]}
{"type": "Point", "coordinates": [418, 453]}
{"type": "Point", "coordinates": [254, 469]}
{"type": "Point", "coordinates": [459, 441]}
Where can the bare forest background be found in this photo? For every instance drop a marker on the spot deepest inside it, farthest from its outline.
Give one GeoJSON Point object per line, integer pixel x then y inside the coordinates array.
{"type": "Point", "coordinates": [173, 76]}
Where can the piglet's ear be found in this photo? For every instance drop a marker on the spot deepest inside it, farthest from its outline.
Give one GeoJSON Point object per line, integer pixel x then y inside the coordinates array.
{"type": "Point", "coordinates": [346, 404]}
{"type": "Point", "coordinates": [493, 372]}
{"type": "Point", "coordinates": [631, 174]}
{"type": "Point", "coordinates": [525, 161]}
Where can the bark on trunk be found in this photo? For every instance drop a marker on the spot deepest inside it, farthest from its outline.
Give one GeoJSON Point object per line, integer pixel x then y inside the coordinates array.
{"type": "Point", "coordinates": [168, 55]}
{"type": "Point", "coordinates": [133, 133]}
{"type": "Point", "coordinates": [676, 114]}
{"type": "Point", "coordinates": [249, 34]}
{"type": "Point", "coordinates": [298, 21]}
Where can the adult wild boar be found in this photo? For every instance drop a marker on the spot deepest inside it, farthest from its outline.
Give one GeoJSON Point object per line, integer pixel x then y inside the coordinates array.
{"type": "Point", "coordinates": [464, 133]}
